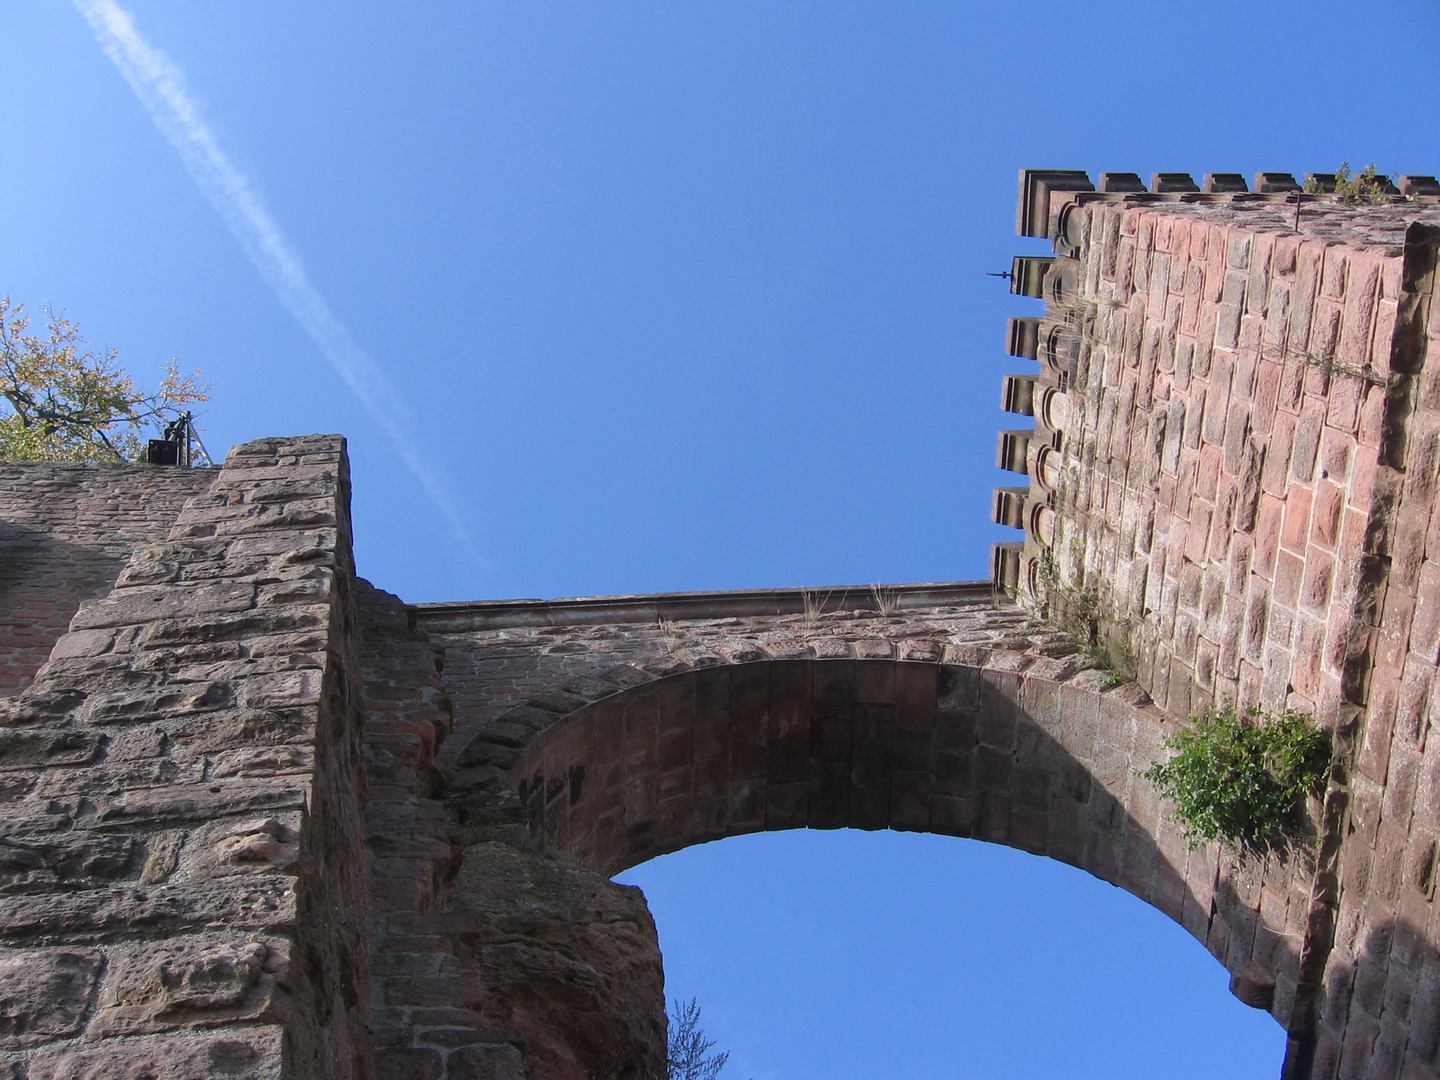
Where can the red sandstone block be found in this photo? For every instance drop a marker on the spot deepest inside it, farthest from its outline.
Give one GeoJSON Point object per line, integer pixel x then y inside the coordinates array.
{"type": "Point", "coordinates": [1217, 400]}
{"type": "Point", "coordinates": [1267, 396]}
{"type": "Point", "coordinates": [1336, 448]}
{"type": "Point", "coordinates": [1343, 404]}
{"type": "Point", "coordinates": [1407, 547]}
{"type": "Point", "coordinates": [1296, 529]}
{"type": "Point", "coordinates": [409, 1064]}
{"type": "Point", "coordinates": [1247, 359]}
{"type": "Point", "coordinates": [1422, 460]}
{"type": "Point", "coordinates": [1292, 381]}
{"type": "Point", "coordinates": [1207, 659]}
{"type": "Point", "coordinates": [1190, 302]}
{"type": "Point", "coordinates": [1370, 427]}
{"type": "Point", "coordinates": [1307, 439]}
{"type": "Point", "coordinates": [401, 892]}
{"type": "Point", "coordinates": [1199, 241]}
{"type": "Point", "coordinates": [1268, 521]}
{"type": "Point", "coordinates": [952, 815]}
{"type": "Point", "coordinates": [1378, 729]}
{"type": "Point", "coordinates": [1326, 511]}
{"type": "Point", "coordinates": [1339, 624]}
{"type": "Point", "coordinates": [1274, 475]}
{"type": "Point", "coordinates": [1387, 316]}
{"type": "Point", "coordinates": [435, 990]}
{"type": "Point", "coordinates": [1361, 295]}
{"type": "Point", "coordinates": [1289, 574]}
{"type": "Point", "coordinates": [749, 692]}
{"type": "Point", "coordinates": [1358, 1048]}
{"type": "Point", "coordinates": [1258, 286]}
{"type": "Point", "coordinates": [1393, 640]}
{"type": "Point", "coordinates": [1222, 523]}
{"type": "Point", "coordinates": [1197, 537]}
{"type": "Point", "coordinates": [675, 748]}
{"type": "Point", "coordinates": [1333, 268]}
{"type": "Point", "coordinates": [874, 681]}
{"type": "Point", "coordinates": [1309, 650]}
{"type": "Point", "coordinates": [677, 782]}
{"type": "Point", "coordinates": [1215, 263]}
{"type": "Point", "coordinates": [1413, 701]}
{"type": "Point", "coordinates": [1319, 572]}
{"type": "Point", "coordinates": [1103, 856]}
{"type": "Point", "coordinates": [676, 705]}
{"type": "Point", "coordinates": [910, 793]}
{"type": "Point", "coordinates": [915, 695]}
{"type": "Point", "coordinates": [1425, 624]}
{"type": "Point", "coordinates": [1028, 829]}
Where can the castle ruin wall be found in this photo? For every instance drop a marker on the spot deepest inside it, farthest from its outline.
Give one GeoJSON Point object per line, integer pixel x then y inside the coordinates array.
{"type": "Point", "coordinates": [181, 889]}
{"type": "Point", "coordinates": [65, 533]}
{"type": "Point", "coordinates": [1233, 470]}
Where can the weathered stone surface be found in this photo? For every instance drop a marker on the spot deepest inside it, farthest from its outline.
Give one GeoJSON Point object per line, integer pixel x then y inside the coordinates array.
{"type": "Point", "coordinates": [45, 993]}
{"type": "Point", "coordinates": [191, 982]}
{"type": "Point", "coordinates": [244, 845]}
{"type": "Point", "coordinates": [43, 863]}
{"type": "Point", "coordinates": [88, 915]}
{"type": "Point", "coordinates": [247, 1053]}
{"type": "Point", "coordinates": [569, 960]}
{"type": "Point", "coordinates": [187, 762]}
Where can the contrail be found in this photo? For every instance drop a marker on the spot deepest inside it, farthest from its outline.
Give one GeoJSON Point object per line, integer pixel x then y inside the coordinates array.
{"type": "Point", "coordinates": [160, 86]}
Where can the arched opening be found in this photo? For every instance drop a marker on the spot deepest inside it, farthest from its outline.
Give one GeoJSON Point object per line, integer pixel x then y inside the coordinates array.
{"type": "Point", "coordinates": [1050, 768]}
{"type": "Point", "coordinates": [853, 955]}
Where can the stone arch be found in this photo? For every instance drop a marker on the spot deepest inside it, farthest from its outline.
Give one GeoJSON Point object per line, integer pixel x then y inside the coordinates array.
{"type": "Point", "coordinates": [1046, 766]}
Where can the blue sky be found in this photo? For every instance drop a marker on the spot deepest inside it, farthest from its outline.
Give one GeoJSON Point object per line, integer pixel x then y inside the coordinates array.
{"type": "Point", "coordinates": [684, 295]}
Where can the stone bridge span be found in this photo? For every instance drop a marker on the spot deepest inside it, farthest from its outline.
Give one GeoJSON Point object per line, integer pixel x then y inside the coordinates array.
{"type": "Point", "coordinates": [623, 728]}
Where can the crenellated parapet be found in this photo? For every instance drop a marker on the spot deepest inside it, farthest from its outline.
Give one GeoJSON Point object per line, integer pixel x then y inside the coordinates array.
{"type": "Point", "coordinates": [1059, 205]}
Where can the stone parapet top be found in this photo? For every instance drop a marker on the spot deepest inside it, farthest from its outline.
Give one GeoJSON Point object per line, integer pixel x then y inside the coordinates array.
{"type": "Point", "coordinates": [1378, 227]}
{"type": "Point", "coordinates": [719, 604]}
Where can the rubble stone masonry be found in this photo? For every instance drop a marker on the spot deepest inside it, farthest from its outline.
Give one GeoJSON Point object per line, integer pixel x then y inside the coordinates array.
{"type": "Point", "coordinates": [181, 889]}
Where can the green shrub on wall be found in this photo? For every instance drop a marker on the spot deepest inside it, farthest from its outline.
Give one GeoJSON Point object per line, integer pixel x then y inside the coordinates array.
{"type": "Point", "coordinates": [1242, 778]}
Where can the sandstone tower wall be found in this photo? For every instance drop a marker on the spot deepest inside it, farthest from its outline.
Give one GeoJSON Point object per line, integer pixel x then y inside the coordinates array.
{"type": "Point", "coordinates": [1232, 476]}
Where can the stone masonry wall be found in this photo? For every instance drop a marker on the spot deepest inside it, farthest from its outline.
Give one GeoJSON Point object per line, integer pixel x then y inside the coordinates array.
{"type": "Point", "coordinates": [65, 533]}
{"type": "Point", "coordinates": [180, 850]}
{"type": "Point", "coordinates": [1237, 454]}
{"type": "Point", "coordinates": [524, 967]}
{"type": "Point", "coordinates": [535, 686]}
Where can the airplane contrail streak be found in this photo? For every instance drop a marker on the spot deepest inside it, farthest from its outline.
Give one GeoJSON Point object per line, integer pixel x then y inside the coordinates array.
{"type": "Point", "coordinates": [160, 86]}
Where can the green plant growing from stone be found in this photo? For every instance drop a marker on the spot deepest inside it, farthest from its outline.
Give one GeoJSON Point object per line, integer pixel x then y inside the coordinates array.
{"type": "Point", "coordinates": [1332, 367]}
{"type": "Point", "coordinates": [814, 602]}
{"type": "Point", "coordinates": [1242, 777]}
{"type": "Point", "coordinates": [886, 599]}
{"type": "Point", "coordinates": [1101, 638]}
{"type": "Point", "coordinates": [1363, 187]}
{"type": "Point", "coordinates": [670, 635]}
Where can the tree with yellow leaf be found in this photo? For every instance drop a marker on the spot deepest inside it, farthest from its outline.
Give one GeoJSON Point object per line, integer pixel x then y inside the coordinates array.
{"type": "Point", "coordinates": [61, 401]}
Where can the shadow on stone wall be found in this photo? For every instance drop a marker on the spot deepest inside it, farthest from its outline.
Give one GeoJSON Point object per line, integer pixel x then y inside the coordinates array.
{"type": "Point", "coordinates": [1377, 1014]}
{"type": "Point", "coordinates": [43, 581]}
{"type": "Point", "coordinates": [1045, 767]}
